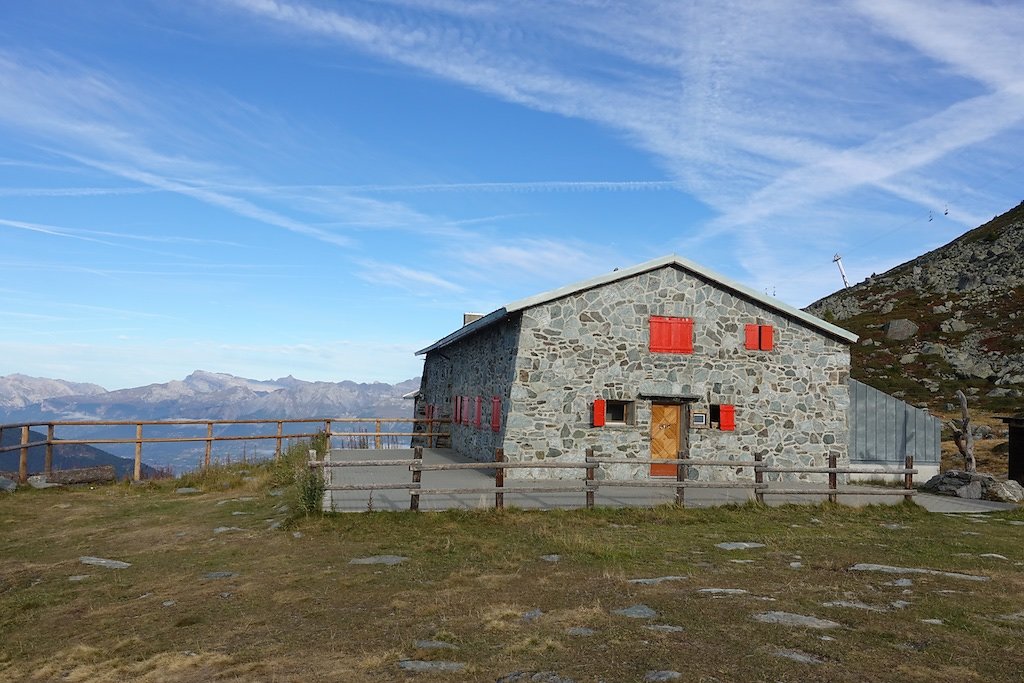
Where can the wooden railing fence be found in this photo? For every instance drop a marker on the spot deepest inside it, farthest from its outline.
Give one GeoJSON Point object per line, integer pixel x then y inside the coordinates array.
{"type": "Point", "coordinates": [431, 433]}
{"type": "Point", "coordinates": [589, 485]}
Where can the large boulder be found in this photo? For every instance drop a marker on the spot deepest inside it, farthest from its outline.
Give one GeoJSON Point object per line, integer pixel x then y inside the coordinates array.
{"type": "Point", "coordinates": [974, 485]}
{"type": "Point", "coordinates": [900, 329]}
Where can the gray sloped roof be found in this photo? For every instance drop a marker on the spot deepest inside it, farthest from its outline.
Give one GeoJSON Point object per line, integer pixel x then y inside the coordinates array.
{"type": "Point", "coordinates": [623, 273]}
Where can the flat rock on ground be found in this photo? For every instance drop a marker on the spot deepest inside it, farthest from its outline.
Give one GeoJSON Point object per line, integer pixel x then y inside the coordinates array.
{"type": "Point", "coordinates": [656, 580]}
{"type": "Point", "coordinates": [426, 667]}
{"type": "Point", "coordinates": [636, 612]}
{"type": "Point", "coordinates": [738, 545]}
{"type": "Point", "coordinates": [8, 485]}
{"type": "Point", "coordinates": [534, 677]}
{"type": "Point", "coordinates": [662, 676]}
{"type": "Point", "coordinates": [789, 619]}
{"type": "Point", "coordinates": [186, 490]}
{"type": "Point", "coordinates": [104, 562]}
{"type": "Point", "coordinates": [886, 569]}
{"type": "Point", "coordinates": [379, 559]}
{"type": "Point", "coordinates": [38, 481]}
{"type": "Point", "coordinates": [798, 656]}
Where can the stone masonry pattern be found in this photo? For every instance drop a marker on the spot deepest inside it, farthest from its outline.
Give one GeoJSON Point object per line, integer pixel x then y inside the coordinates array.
{"type": "Point", "coordinates": [549, 363]}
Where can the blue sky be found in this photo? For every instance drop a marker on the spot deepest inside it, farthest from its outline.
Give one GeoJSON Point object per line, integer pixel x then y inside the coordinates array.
{"type": "Point", "coordinates": [319, 189]}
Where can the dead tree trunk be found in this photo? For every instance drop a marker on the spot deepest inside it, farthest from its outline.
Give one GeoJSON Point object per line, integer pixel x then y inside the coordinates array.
{"type": "Point", "coordinates": [962, 435]}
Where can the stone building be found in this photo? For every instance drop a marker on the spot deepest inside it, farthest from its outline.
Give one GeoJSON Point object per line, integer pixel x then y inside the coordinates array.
{"type": "Point", "coordinates": [648, 361]}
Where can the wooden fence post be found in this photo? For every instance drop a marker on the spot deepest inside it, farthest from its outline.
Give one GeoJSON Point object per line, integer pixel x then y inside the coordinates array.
{"type": "Point", "coordinates": [908, 478]}
{"type": "Point", "coordinates": [414, 499]}
{"type": "Point", "coordinates": [280, 432]}
{"type": "Point", "coordinates": [499, 479]}
{"type": "Point", "coordinates": [681, 474]}
{"type": "Point", "coordinates": [591, 467]}
{"type": "Point", "coordinates": [48, 462]}
{"type": "Point", "coordinates": [758, 478]}
{"type": "Point", "coordinates": [833, 480]}
{"type": "Point", "coordinates": [23, 459]}
{"type": "Point", "coordinates": [327, 430]}
{"type": "Point", "coordinates": [137, 474]}
{"type": "Point", "coordinates": [376, 435]}
{"type": "Point", "coordinates": [209, 445]}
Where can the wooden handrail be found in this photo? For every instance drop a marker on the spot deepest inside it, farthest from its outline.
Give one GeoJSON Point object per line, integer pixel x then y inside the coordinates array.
{"type": "Point", "coordinates": [145, 436]}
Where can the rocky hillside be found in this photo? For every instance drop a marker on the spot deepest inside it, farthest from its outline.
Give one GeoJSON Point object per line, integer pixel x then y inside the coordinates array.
{"type": "Point", "coordinates": [65, 456]}
{"type": "Point", "coordinates": [950, 319]}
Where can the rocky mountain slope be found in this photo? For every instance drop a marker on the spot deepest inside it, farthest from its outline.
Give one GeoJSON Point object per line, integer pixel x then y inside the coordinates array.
{"type": "Point", "coordinates": [950, 319]}
{"type": "Point", "coordinates": [18, 391]}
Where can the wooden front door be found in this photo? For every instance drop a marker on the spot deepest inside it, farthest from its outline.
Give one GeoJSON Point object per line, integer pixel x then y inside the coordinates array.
{"type": "Point", "coordinates": [668, 436]}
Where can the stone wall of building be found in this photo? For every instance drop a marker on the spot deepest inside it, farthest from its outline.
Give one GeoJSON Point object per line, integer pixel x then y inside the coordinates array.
{"type": "Point", "coordinates": [481, 364]}
{"type": "Point", "coordinates": [790, 403]}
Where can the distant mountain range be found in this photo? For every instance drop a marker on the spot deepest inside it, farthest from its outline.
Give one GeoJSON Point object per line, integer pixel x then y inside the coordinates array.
{"type": "Point", "coordinates": [201, 396]}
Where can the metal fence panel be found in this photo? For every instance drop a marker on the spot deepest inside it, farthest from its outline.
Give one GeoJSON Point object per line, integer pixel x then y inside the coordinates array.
{"type": "Point", "coordinates": [885, 429]}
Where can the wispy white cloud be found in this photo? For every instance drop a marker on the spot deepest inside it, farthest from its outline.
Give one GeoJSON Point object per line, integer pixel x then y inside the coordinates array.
{"type": "Point", "coordinates": [73, 191]}
{"type": "Point", "coordinates": [106, 125]}
{"type": "Point", "coordinates": [413, 280]}
{"type": "Point", "coordinates": [749, 110]}
{"type": "Point", "coordinates": [524, 186]}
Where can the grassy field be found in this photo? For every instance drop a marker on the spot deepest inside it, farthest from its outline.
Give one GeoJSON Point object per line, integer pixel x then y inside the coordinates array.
{"type": "Point", "coordinates": [296, 610]}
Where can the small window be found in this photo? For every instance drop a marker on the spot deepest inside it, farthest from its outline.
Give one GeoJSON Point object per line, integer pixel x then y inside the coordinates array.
{"type": "Point", "coordinates": [612, 412]}
{"type": "Point", "coordinates": [723, 416]}
{"type": "Point", "coordinates": [619, 412]}
{"type": "Point", "coordinates": [759, 337]}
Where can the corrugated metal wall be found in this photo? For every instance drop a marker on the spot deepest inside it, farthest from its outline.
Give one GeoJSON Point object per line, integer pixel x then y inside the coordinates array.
{"type": "Point", "coordinates": [884, 429]}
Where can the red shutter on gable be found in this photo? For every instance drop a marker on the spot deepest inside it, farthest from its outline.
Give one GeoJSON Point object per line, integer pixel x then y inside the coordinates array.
{"type": "Point", "coordinates": [671, 335]}
{"type": "Point", "coordinates": [495, 414]}
{"type": "Point", "coordinates": [465, 410]}
{"type": "Point", "coordinates": [727, 418]}
{"type": "Point", "coordinates": [598, 412]}
{"type": "Point", "coordinates": [478, 411]}
{"type": "Point", "coordinates": [767, 343]}
{"type": "Point", "coordinates": [752, 337]}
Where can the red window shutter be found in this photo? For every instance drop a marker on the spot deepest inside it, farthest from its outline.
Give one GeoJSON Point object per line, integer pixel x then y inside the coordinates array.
{"type": "Point", "coordinates": [659, 334]}
{"type": "Point", "coordinates": [478, 411]}
{"type": "Point", "coordinates": [456, 409]}
{"type": "Point", "coordinates": [752, 337]}
{"type": "Point", "coordinates": [685, 343]}
{"type": "Point", "coordinates": [465, 410]}
{"type": "Point", "coordinates": [671, 335]}
{"type": "Point", "coordinates": [599, 412]}
{"type": "Point", "coordinates": [727, 418]}
{"type": "Point", "coordinates": [495, 414]}
{"type": "Point", "coordinates": [767, 343]}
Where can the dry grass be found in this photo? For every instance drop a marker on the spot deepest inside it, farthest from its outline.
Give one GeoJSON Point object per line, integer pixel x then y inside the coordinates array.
{"type": "Point", "coordinates": [297, 611]}
{"type": "Point", "coordinates": [990, 454]}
